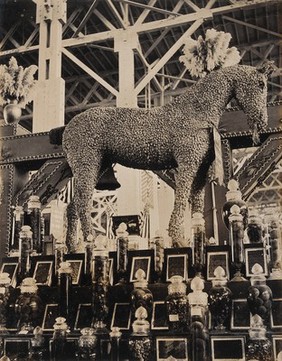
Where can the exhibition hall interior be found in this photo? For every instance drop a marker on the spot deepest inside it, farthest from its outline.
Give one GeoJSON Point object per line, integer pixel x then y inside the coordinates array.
{"type": "Point", "coordinates": [140, 180]}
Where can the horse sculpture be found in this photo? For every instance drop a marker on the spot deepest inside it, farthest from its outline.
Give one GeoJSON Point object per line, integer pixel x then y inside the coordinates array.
{"type": "Point", "coordinates": [176, 135]}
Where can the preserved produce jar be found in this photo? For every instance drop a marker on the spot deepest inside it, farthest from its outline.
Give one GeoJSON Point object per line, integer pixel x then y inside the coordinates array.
{"type": "Point", "coordinates": [220, 300]}
{"type": "Point", "coordinates": [177, 305]}
{"type": "Point", "coordinates": [87, 343]}
{"type": "Point", "coordinates": [258, 345]}
{"type": "Point", "coordinates": [140, 342]}
{"type": "Point", "coordinates": [141, 295]}
{"type": "Point", "coordinates": [260, 295]}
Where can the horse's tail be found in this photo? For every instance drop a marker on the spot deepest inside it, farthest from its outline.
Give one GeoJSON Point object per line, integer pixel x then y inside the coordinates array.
{"type": "Point", "coordinates": [56, 135]}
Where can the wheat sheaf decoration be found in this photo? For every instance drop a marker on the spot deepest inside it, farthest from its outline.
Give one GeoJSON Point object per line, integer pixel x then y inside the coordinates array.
{"type": "Point", "coordinates": [210, 53]}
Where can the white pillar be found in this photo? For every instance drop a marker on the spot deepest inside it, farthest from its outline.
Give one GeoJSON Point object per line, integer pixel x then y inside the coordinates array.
{"type": "Point", "coordinates": [125, 42]}
{"type": "Point", "coordinates": [49, 103]}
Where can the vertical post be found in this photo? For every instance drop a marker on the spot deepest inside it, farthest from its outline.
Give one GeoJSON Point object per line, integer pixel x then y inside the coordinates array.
{"type": "Point", "coordinates": [49, 102]}
{"type": "Point", "coordinates": [125, 42]}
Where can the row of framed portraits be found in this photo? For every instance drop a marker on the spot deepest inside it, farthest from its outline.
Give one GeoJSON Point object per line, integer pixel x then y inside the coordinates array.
{"type": "Point", "coordinates": [121, 316]}
{"type": "Point", "coordinates": [223, 348]}
{"type": "Point", "coordinates": [176, 262]}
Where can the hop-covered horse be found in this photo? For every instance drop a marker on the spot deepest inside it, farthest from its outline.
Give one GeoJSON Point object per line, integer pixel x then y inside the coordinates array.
{"type": "Point", "coordinates": [177, 135]}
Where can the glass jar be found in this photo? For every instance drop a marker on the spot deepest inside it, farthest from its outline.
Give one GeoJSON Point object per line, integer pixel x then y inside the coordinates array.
{"type": "Point", "coordinates": [260, 295]}
{"type": "Point", "coordinates": [122, 251]}
{"type": "Point", "coordinates": [140, 341]}
{"type": "Point", "coordinates": [255, 228]}
{"type": "Point", "coordinates": [25, 249]}
{"type": "Point", "coordinates": [19, 222]}
{"type": "Point", "coordinates": [198, 241]}
{"type": "Point", "coordinates": [157, 244]}
{"type": "Point", "coordinates": [34, 209]}
{"type": "Point", "coordinates": [234, 196]}
{"type": "Point", "coordinates": [258, 345]}
{"type": "Point", "coordinates": [236, 236]}
{"type": "Point", "coordinates": [37, 345]}
{"type": "Point", "coordinates": [65, 285]}
{"type": "Point", "coordinates": [141, 295]}
{"type": "Point", "coordinates": [28, 305]}
{"type": "Point", "coordinates": [87, 344]}
{"type": "Point", "coordinates": [100, 283]}
{"type": "Point", "coordinates": [177, 305]}
{"type": "Point", "coordinates": [58, 342]}
{"type": "Point", "coordinates": [198, 315]}
{"type": "Point", "coordinates": [115, 336]}
{"type": "Point", "coordinates": [220, 300]}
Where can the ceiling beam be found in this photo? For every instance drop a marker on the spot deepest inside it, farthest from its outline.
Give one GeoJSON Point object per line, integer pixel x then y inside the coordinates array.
{"type": "Point", "coordinates": [86, 17]}
{"type": "Point", "coordinates": [248, 25]}
{"type": "Point", "coordinates": [144, 14]}
{"type": "Point", "coordinates": [145, 6]}
{"type": "Point", "coordinates": [90, 72]}
{"type": "Point", "coordinates": [116, 13]}
{"type": "Point", "coordinates": [153, 71]}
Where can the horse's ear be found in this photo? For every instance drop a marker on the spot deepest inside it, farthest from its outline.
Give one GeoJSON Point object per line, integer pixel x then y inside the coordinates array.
{"type": "Point", "coordinates": [267, 67]}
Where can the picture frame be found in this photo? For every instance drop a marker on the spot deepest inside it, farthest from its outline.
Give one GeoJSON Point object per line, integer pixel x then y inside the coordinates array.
{"type": "Point", "coordinates": [171, 347]}
{"type": "Point", "coordinates": [228, 348]}
{"type": "Point", "coordinates": [132, 222]}
{"type": "Point", "coordinates": [140, 259]}
{"type": "Point", "coordinates": [43, 273]}
{"type": "Point", "coordinates": [50, 314]}
{"type": "Point", "coordinates": [11, 268]}
{"type": "Point", "coordinates": [16, 346]}
{"type": "Point", "coordinates": [121, 316]}
{"type": "Point", "coordinates": [177, 261]}
{"type": "Point", "coordinates": [276, 314]}
{"type": "Point", "coordinates": [159, 319]}
{"type": "Point", "coordinates": [76, 265]}
{"type": "Point", "coordinates": [277, 345]}
{"type": "Point", "coordinates": [255, 254]}
{"type": "Point", "coordinates": [215, 259]}
{"type": "Point", "coordinates": [82, 318]}
{"type": "Point", "coordinates": [112, 267]}
{"type": "Point", "coordinates": [240, 315]}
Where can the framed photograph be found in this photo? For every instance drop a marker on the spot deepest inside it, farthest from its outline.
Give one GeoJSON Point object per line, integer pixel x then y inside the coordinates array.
{"type": "Point", "coordinates": [50, 314]}
{"type": "Point", "coordinates": [159, 318]}
{"type": "Point", "coordinates": [176, 266]}
{"type": "Point", "coordinates": [83, 316]}
{"type": "Point", "coordinates": [228, 348]}
{"type": "Point", "coordinates": [16, 347]}
{"type": "Point", "coordinates": [215, 259]}
{"type": "Point", "coordinates": [43, 273]}
{"type": "Point", "coordinates": [11, 269]}
{"type": "Point", "coordinates": [142, 259]}
{"type": "Point", "coordinates": [277, 345]}
{"type": "Point", "coordinates": [276, 314]}
{"type": "Point", "coordinates": [255, 255]}
{"type": "Point", "coordinates": [240, 316]}
{"type": "Point", "coordinates": [171, 347]}
{"type": "Point", "coordinates": [76, 266]}
{"type": "Point", "coordinates": [132, 222]}
{"type": "Point", "coordinates": [121, 316]}
{"type": "Point", "coordinates": [177, 261]}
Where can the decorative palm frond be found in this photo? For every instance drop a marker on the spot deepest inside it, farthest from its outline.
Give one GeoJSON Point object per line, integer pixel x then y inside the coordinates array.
{"type": "Point", "coordinates": [16, 82]}
{"type": "Point", "coordinates": [204, 55]}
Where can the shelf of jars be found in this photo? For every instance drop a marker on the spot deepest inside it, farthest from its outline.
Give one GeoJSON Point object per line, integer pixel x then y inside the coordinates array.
{"type": "Point", "coordinates": [205, 302]}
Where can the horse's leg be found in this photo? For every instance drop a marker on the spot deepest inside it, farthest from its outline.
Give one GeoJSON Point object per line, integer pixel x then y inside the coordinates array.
{"type": "Point", "coordinates": [72, 220]}
{"type": "Point", "coordinates": [85, 180]}
{"type": "Point", "coordinates": [183, 181]}
{"type": "Point", "coordinates": [198, 189]}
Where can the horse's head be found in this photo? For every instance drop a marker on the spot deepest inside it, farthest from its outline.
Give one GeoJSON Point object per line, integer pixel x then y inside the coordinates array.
{"type": "Point", "coordinates": [251, 94]}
